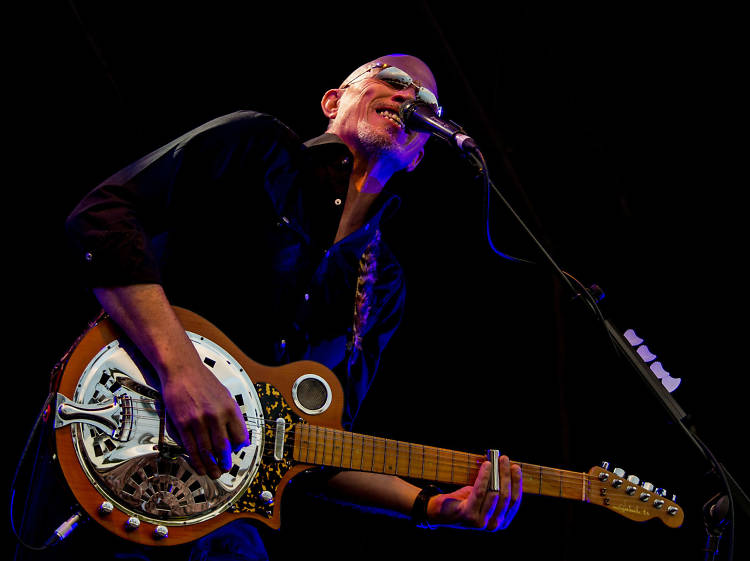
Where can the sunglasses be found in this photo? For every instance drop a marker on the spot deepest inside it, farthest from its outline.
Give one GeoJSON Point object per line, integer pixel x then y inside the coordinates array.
{"type": "Point", "coordinates": [400, 80]}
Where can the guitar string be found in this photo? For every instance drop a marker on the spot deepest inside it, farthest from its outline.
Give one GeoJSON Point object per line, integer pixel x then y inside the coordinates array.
{"type": "Point", "coordinates": [564, 481]}
{"type": "Point", "coordinates": [568, 484]}
{"type": "Point", "coordinates": [378, 445]}
{"type": "Point", "coordinates": [461, 468]}
{"type": "Point", "coordinates": [373, 444]}
{"type": "Point", "coordinates": [431, 454]}
{"type": "Point", "coordinates": [373, 447]}
{"type": "Point", "coordinates": [431, 458]}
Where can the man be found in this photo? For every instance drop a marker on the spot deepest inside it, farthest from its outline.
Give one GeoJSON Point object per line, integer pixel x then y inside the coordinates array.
{"type": "Point", "coordinates": [182, 225]}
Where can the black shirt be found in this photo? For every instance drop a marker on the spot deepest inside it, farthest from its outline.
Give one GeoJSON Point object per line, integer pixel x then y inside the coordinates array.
{"type": "Point", "coordinates": [236, 219]}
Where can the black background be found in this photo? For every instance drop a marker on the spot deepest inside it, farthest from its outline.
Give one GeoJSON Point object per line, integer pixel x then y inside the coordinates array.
{"type": "Point", "coordinates": [615, 133]}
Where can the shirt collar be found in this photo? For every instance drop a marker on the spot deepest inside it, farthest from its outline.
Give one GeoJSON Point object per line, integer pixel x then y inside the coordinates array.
{"type": "Point", "coordinates": [325, 138]}
{"type": "Point", "coordinates": [331, 149]}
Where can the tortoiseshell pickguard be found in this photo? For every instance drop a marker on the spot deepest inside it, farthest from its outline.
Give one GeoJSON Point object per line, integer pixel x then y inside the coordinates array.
{"type": "Point", "coordinates": [271, 471]}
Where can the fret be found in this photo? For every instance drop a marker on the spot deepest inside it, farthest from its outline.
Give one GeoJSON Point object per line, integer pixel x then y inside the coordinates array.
{"type": "Point", "coordinates": [346, 450]}
{"type": "Point", "coordinates": [300, 443]}
{"type": "Point", "coordinates": [337, 451]}
{"type": "Point", "coordinates": [313, 444]}
{"type": "Point", "coordinates": [572, 485]}
{"type": "Point", "coordinates": [358, 447]}
{"type": "Point", "coordinates": [390, 456]}
{"type": "Point", "coordinates": [550, 483]}
{"type": "Point", "coordinates": [444, 465]}
{"type": "Point", "coordinates": [453, 465]}
{"type": "Point", "coordinates": [368, 453]}
{"type": "Point", "coordinates": [470, 469]}
{"type": "Point", "coordinates": [319, 445]}
{"type": "Point", "coordinates": [416, 461]}
{"type": "Point", "coordinates": [310, 444]}
{"type": "Point", "coordinates": [553, 482]}
{"type": "Point", "coordinates": [327, 453]}
{"type": "Point", "coordinates": [430, 463]}
{"type": "Point", "coordinates": [403, 452]}
{"type": "Point", "coordinates": [378, 455]}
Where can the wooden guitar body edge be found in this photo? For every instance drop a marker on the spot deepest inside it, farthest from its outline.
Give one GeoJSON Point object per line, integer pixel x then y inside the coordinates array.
{"type": "Point", "coordinates": [90, 497]}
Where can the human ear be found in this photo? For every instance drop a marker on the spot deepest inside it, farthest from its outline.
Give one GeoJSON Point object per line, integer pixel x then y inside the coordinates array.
{"type": "Point", "coordinates": [415, 161]}
{"type": "Point", "coordinates": [330, 103]}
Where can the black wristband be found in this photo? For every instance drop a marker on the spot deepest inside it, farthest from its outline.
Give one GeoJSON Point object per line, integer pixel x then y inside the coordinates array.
{"type": "Point", "coordinates": [419, 510]}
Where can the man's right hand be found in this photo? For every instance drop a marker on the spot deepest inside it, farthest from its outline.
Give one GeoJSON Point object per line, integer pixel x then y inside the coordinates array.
{"type": "Point", "coordinates": [206, 417]}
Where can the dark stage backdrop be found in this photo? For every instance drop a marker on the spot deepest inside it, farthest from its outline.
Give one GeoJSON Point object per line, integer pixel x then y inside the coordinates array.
{"type": "Point", "coordinates": [613, 131]}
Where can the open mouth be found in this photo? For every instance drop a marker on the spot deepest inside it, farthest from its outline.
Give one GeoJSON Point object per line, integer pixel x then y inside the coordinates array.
{"type": "Point", "coordinates": [391, 115]}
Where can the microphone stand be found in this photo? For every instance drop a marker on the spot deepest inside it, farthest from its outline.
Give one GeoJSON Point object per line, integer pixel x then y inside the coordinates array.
{"type": "Point", "coordinates": [719, 511]}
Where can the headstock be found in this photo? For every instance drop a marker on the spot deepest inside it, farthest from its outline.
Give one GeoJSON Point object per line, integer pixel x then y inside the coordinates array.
{"type": "Point", "coordinates": [632, 498]}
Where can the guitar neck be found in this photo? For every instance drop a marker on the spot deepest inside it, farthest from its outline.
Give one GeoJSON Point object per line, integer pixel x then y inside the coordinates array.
{"type": "Point", "coordinates": [337, 448]}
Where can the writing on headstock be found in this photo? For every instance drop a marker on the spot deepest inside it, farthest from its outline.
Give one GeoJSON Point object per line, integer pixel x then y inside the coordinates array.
{"type": "Point", "coordinates": [632, 498]}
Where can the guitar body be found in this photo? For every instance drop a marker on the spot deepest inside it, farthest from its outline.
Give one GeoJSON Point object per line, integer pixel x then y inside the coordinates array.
{"type": "Point", "coordinates": [128, 474]}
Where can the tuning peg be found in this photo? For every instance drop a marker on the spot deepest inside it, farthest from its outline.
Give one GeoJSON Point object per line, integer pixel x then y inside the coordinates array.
{"type": "Point", "coordinates": [633, 480]}
{"type": "Point", "coordinates": [661, 492]}
{"type": "Point", "coordinates": [619, 474]}
{"type": "Point", "coordinates": [648, 486]}
{"type": "Point", "coordinates": [603, 475]}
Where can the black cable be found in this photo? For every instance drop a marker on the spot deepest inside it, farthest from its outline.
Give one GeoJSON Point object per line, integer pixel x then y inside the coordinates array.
{"type": "Point", "coordinates": [30, 439]}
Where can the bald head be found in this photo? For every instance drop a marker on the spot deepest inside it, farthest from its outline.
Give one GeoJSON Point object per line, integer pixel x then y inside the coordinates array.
{"type": "Point", "coordinates": [413, 66]}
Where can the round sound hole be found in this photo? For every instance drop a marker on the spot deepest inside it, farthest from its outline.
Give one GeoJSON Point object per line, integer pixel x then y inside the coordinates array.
{"type": "Point", "coordinates": [312, 394]}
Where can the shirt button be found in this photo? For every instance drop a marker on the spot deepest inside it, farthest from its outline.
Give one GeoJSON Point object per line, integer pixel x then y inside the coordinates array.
{"type": "Point", "coordinates": [89, 256]}
{"type": "Point", "coordinates": [337, 202]}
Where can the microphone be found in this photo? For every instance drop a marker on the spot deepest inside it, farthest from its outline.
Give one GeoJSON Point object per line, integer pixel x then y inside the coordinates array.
{"type": "Point", "coordinates": [419, 116]}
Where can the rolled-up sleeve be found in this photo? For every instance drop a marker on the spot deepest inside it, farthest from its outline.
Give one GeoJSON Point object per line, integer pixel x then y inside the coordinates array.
{"type": "Point", "coordinates": [111, 241]}
{"type": "Point", "coordinates": [115, 230]}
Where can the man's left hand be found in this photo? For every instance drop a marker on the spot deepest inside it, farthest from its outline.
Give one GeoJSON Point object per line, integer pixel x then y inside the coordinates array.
{"type": "Point", "coordinates": [478, 507]}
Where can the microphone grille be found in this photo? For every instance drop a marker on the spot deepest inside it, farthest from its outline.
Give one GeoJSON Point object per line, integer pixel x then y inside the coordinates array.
{"type": "Point", "coordinates": [407, 108]}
